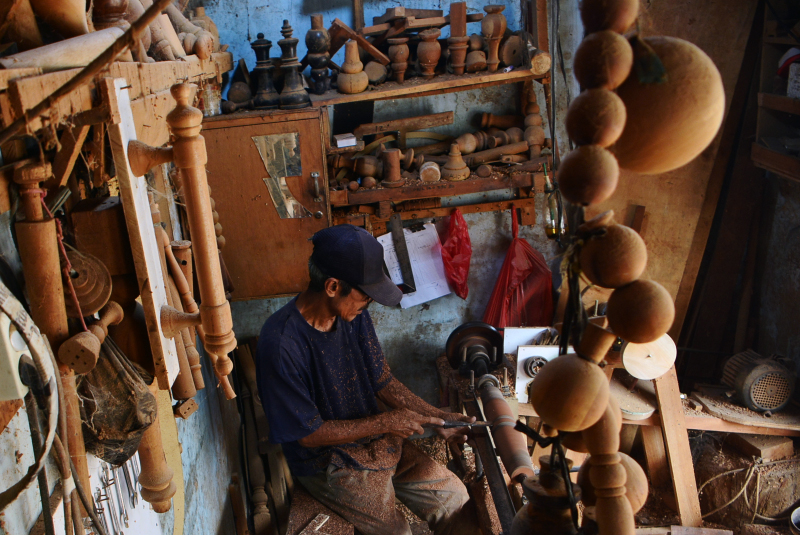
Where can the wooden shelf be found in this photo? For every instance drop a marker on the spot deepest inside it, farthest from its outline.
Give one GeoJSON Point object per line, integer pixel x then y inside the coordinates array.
{"type": "Point", "coordinates": [776, 162]}
{"type": "Point", "coordinates": [420, 87]}
{"type": "Point", "coordinates": [779, 103]}
{"type": "Point", "coordinates": [474, 184]}
{"type": "Point", "coordinates": [781, 41]}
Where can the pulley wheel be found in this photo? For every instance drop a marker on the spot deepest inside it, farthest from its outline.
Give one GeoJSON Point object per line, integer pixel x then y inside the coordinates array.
{"type": "Point", "coordinates": [471, 334]}
{"type": "Point", "coordinates": [92, 283]}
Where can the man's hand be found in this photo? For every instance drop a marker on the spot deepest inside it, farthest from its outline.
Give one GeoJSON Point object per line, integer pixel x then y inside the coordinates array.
{"type": "Point", "coordinates": [457, 435]}
{"type": "Point", "coordinates": [404, 423]}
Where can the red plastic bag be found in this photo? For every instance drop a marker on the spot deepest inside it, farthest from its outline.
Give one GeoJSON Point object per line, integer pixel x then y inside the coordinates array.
{"type": "Point", "coordinates": [523, 295]}
{"type": "Point", "coordinates": [456, 254]}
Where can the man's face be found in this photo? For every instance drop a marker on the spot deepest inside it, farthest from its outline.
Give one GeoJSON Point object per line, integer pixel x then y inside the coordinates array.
{"type": "Point", "coordinates": [351, 305]}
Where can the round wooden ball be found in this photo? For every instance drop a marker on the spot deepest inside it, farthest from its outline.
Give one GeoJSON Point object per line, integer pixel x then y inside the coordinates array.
{"type": "Point", "coordinates": [640, 312]}
{"type": "Point", "coordinates": [613, 15]}
{"type": "Point", "coordinates": [603, 59]}
{"type": "Point", "coordinates": [534, 135]}
{"type": "Point", "coordinates": [615, 258]}
{"type": "Point", "coordinates": [588, 175]}
{"type": "Point", "coordinates": [353, 185]}
{"type": "Point", "coordinates": [636, 487]}
{"type": "Point", "coordinates": [570, 393]}
{"type": "Point", "coordinates": [368, 182]}
{"type": "Point", "coordinates": [669, 124]}
{"type": "Point", "coordinates": [596, 117]}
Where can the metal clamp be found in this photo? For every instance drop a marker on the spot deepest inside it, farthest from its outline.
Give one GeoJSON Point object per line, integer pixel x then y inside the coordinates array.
{"type": "Point", "coordinates": [317, 194]}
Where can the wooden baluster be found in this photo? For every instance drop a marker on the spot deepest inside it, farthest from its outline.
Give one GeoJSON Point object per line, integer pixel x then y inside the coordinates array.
{"type": "Point", "coordinates": [608, 476]}
{"type": "Point", "coordinates": [156, 476]}
{"type": "Point", "coordinates": [190, 157]}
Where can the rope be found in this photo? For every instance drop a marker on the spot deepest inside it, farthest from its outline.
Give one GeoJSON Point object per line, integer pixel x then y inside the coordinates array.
{"type": "Point", "coordinates": [752, 469]}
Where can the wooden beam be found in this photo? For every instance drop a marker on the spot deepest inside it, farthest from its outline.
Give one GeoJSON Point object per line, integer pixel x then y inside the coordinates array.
{"type": "Point", "coordinates": [676, 439]}
{"type": "Point", "coordinates": [403, 125]}
{"type": "Point", "coordinates": [656, 456]}
{"type": "Point", "coordinates": [71, 142]}
{"type": "Point", "coordinates": [394, 13]}
{"type": "Point", "coordinates": [339, 29]}
{"type": "Point", "coordinates": [714, 186]}
{"type": "Point", "coordinates": [418, 87]}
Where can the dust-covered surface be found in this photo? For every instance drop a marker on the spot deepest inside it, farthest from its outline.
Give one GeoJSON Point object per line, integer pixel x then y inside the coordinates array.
{"type": "Point", "coordinates": [774, 485]}
{"type": "Point", "coordinates": [761, 529]}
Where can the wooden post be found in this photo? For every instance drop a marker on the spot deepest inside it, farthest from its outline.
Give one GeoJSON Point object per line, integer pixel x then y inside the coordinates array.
{"type": "Point", "coordinates": [676, 439]}
{"type": "Point", "coordinates": [38, 251]}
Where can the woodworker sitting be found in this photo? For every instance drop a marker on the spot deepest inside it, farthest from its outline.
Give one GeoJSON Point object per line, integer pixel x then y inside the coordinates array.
{"type": "Point", "coordinates": [321, 372]}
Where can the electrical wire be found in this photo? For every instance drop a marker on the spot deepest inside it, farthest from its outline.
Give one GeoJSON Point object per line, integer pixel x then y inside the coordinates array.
{"type": "Point", "coordinates": [42, 358]}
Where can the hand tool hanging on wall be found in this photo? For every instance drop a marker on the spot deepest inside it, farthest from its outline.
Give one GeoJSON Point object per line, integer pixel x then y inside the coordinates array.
{"type": "Point", "coordinates": [188, 152]}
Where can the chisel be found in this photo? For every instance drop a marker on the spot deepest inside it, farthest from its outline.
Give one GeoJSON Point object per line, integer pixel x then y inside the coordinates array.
{"type": "Point", "coordinates": [450, 424]}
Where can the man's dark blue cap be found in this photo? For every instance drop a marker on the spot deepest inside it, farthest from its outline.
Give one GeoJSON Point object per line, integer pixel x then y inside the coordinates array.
{"type": "Point", "coordinates": [351, 254]}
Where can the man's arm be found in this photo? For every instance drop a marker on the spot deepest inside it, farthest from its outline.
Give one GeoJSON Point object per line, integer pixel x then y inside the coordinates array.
{"type": "Point", "coordinates": [397, 396]}
{"type": "Point", "coordinates": [400, 422]}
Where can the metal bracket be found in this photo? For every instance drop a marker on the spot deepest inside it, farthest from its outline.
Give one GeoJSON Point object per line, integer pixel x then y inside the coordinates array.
{"type": "Point", "coordinates": [403, 258]}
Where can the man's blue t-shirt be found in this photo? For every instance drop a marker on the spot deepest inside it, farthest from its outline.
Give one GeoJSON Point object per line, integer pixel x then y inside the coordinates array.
{"type": "Point", "coordinates": [306, 377]}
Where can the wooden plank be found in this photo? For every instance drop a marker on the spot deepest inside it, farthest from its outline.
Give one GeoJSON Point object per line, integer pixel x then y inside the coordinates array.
{"type": "Point", "coordinates": [656, 456]}
{"type": "Point", "coordinates": [721, 408]}
{"type": "Point", "coordinates": [416, 24]}
{"type": "Point", "coordinates": [6, 75]}
{"type": "Point", "coordinates": [342, 28]}
{"type": "Point", "coordinates": [766, 448]}
{"type": "Point", "coordinates": [676, 439]}
{"type": "Point", "coordinates": [25, 93]}
{"type": "Point", "coordinates": [779, 103]}
{"type": "Point", "coordinates": [776, 162]}
{"type": "Point", "coordinates": [400, 12]}
{"type": "Point", "coordinates": [71, 143]}
{"type": "Point", "coordinates": [445, 188]}
{"type": "Point", "coordinates": [133, 193]}
{"type": "Point", "coordinates": [713, 311]}
{"type": "Point", "coordinates": [400, 125]}
{"type": "Point", "coordinates": [416, 87]}
{"type": "Point", "coordinates": [143, 78]}
{"type": "Point", "coordinates": [458, 19]}
{"type": "Point", "coordinates": [150, 117]}
{"type": "Point", "coordinates": [684, 530]}
{"type": "Point", "coordinates": [706, 178]}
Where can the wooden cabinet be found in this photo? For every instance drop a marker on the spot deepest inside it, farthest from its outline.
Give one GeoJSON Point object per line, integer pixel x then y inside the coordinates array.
{"type": "Point", "coordinates": [269, 182]}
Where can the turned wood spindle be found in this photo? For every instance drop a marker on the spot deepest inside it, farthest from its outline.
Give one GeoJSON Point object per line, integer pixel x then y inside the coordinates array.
{"type": "Point", "coordinates": [156, 475]}
{"type": "Point", "coordinates": [172, 318]}
{"type": "Point", "coordinates": [188, 153]}
{"type": "Point", "coordinates": [614, 513]}
{"type": "Point", "coordinates": [190, 157]}
{"type": "Point", "coordinates": [82, 351]}
{"type": "Point", "coordinates": [39, 253]}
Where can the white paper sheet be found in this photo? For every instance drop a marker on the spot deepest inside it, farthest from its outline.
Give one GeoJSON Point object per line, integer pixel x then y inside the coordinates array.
{"type": "Point", "coordinates": [425, 252]}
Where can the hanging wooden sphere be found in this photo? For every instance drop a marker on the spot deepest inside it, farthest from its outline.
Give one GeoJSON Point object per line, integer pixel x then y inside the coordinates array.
{"type": "Point", "coordinates": [636, 487]}
{"type": "Point", "coordinates": [596, 117]}
{"type": "Point", "coordinates": [615, 258]}
{"type": "Point", "coordinates": [670, 123]}
{"type": "Point", "coordinates": [570, 393]}
{"type": "Point", "coordinates": [603, 60]}
{"type": "Point", "coordinates": [614, 15]}
{"type": "Point", "coordinates": [588, 175]}
{"type": "Point", "coordinates": [640, 312]}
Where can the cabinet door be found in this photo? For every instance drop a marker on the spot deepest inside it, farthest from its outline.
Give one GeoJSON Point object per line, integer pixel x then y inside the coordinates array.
{"type": "Point", "coordinates": [268, 181]}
